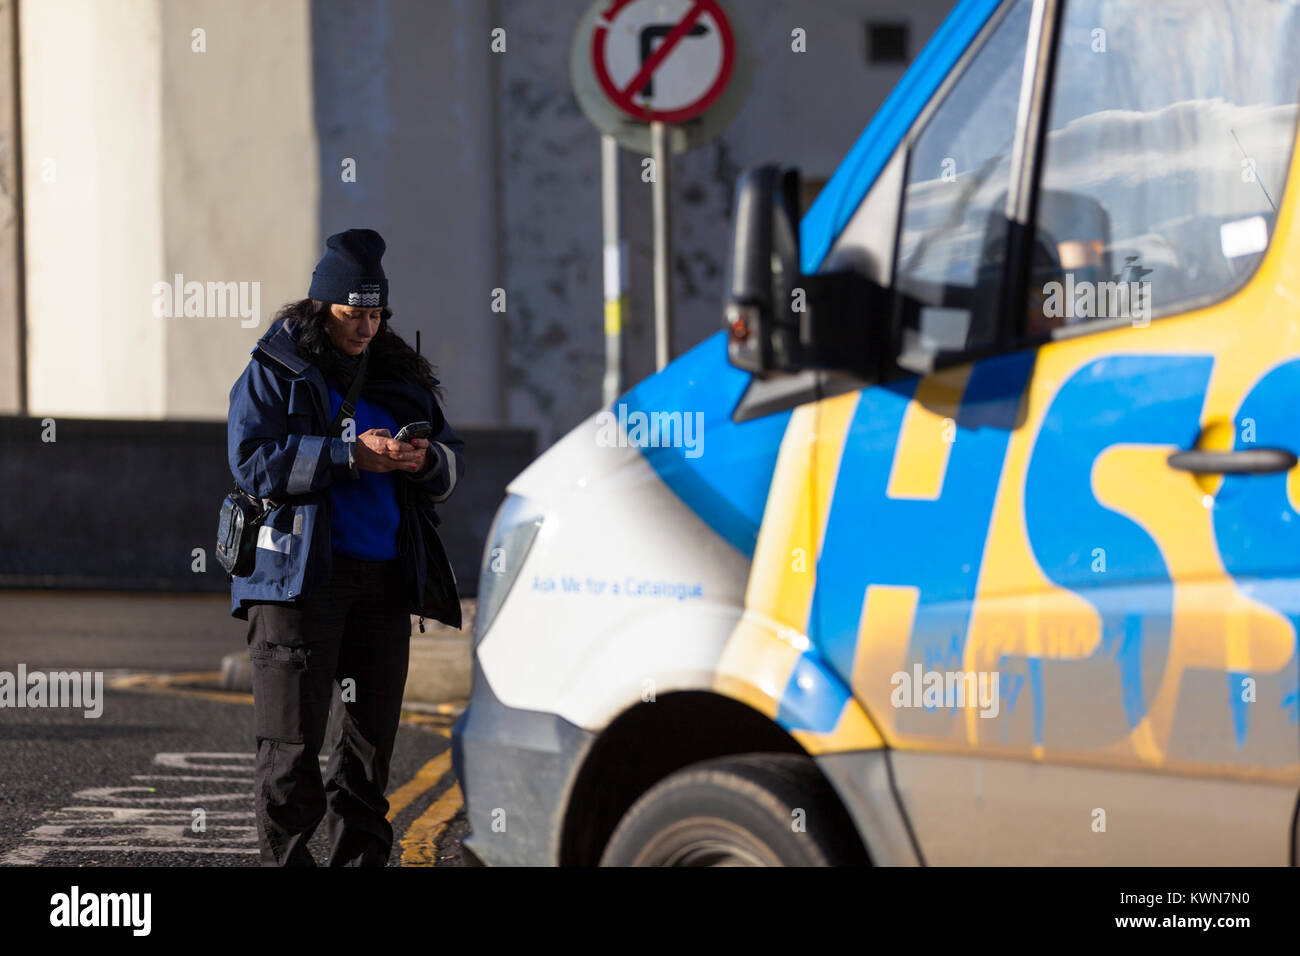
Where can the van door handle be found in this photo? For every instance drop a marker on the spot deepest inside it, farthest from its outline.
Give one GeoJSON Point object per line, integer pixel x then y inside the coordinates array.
{"type": "Point", "coordinates": [1253, 461]}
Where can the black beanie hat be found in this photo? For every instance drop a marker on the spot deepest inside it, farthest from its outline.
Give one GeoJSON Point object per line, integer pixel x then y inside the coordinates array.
{"type": "Point", "coordinates": [349, 273]}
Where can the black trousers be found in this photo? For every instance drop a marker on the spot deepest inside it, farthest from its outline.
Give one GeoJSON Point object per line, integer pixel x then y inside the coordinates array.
{"type": "Point", "coordinates": [347, 644]}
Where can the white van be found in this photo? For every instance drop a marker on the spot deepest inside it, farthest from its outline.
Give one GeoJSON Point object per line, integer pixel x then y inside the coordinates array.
{"type": "Point", "coordinates": [984, 542]}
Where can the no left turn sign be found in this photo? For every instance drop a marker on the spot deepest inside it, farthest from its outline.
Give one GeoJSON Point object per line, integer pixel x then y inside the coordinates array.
{"type": "Point", "coordinates": [663, 60]}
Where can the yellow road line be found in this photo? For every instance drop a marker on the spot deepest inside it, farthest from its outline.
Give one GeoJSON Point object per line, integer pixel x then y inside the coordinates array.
{"type": "Point", "coordinates": [420, 844]}
{"type": "Point", "coordinates": [436, 722]}
{"type": "Point", "coordinates": [424, 778]}
{"type": "Point", "coordinates": [181, 684]}
{"type": "Point", "coordinates": [195, 677]}
{"type": "Point", "coordinates": [163, 684]}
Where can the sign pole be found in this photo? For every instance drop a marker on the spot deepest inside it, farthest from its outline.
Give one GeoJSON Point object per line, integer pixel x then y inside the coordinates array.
{"type": "Point", "coordinates": [615, 270]}
{"type": "Point", "coordinates": [653, 76]}
{"type": "Point", "coordinates": [663, 245]}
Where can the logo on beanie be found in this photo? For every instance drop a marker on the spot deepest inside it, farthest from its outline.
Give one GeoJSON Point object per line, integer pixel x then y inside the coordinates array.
{"type": "Point", "coordinates": [369, 295]}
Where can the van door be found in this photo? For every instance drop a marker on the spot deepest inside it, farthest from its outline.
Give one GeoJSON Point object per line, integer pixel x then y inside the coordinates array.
{"type": "Point", "coordinates": [1083, 650]}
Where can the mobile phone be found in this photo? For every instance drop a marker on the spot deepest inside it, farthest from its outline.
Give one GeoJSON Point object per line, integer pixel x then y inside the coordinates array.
{"type": "Point", "coordinates": [414, 430]}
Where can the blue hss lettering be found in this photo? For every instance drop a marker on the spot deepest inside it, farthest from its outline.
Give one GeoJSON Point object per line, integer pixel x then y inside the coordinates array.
{"type": "Point", "coordinates": [935, 545]}
{"type": "Point", "coordinates": [1257, 532]}
{"type": "Point", "coordinates": [1123, 399]}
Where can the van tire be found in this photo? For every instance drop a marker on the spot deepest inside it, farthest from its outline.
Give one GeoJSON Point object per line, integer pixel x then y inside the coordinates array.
{"type": "Point", "coordinates": [737, 811]}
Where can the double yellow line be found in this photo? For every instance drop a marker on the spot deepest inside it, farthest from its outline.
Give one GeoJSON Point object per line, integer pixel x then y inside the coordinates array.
{"type": "Point", "coordinates": [420, 842]}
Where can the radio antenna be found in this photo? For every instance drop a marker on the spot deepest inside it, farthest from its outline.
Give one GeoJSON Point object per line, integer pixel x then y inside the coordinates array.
{"type": "Point", "coordinates": [1253, 170]}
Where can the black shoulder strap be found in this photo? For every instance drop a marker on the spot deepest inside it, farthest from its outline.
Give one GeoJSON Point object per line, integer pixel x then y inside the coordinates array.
{"type": "Point", "coordinates": [349, 406]}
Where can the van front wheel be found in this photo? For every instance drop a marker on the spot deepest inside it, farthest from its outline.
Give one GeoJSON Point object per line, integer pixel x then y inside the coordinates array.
{"type": "Point", "coordinates": [748, 810]}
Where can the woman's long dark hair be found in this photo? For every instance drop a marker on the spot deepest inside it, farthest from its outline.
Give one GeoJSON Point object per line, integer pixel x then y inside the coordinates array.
{"type": "Point", "coordinates": [390, 356]}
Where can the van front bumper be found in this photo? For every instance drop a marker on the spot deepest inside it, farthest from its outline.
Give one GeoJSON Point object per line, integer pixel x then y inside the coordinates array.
{"type": "Point", "coordinates": [515, 769]}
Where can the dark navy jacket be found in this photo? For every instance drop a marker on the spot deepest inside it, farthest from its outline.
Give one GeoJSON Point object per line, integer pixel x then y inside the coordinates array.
{"type": "Point", "coordinates": [279, 448]}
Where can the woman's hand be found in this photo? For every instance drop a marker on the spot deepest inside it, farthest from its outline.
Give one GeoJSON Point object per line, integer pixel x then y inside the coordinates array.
{"type": "Point", "coordinates": [378, 450]}
{"type": "Point", "coordinates": [422, 446]}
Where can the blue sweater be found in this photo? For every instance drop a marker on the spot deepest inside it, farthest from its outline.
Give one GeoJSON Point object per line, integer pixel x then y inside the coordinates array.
{"type": "Point", "coordinates": [364, 524]}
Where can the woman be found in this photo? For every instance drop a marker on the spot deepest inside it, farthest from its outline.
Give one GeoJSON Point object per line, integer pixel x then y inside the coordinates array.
{"type": "Point", "coordinates": [347, 551]}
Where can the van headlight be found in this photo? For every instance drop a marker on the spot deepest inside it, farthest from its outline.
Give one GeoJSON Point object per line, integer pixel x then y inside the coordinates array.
{"type": "Point", "coordinates": [511, 537]}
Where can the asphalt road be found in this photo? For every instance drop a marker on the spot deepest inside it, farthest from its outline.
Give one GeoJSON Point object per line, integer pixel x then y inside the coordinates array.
{"type": "Point", "coordinates": [163, 777]}
{"type": "Point", "coordinates": [112, 630]}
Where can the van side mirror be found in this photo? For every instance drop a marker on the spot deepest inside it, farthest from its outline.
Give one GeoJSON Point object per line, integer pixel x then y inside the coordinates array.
{"type": "Point", "coordinates": [779, 320]}
{"type": "Point", "coordinates": [764, 251]}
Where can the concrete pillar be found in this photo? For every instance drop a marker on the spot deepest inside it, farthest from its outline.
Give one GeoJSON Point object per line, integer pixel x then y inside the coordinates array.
{"type": "Point", "coordinates": [239, 180]}
{"type": "Point", "coordinates": [91, 92]}
{"type": "Point", "coordinates": [161, 139]}
{"type": "Point", "coordinates": [12, 347]}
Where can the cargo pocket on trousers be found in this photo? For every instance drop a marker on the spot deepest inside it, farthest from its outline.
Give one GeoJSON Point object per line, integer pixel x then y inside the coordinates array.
{"type": "Point", "coordinates": [281, 691]}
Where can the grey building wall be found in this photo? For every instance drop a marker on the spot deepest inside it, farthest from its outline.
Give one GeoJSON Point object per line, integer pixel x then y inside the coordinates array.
{"type": "Point", "coordinates": [226, 165]}
{"type": "Point", "coordinates": [404, 87]}
{"type": "Point", "coordinates": [804, 109]}
{"type": "Point", "coordinates": [238, 181]}
{"type": "Point", "coordinates": [477, 166]}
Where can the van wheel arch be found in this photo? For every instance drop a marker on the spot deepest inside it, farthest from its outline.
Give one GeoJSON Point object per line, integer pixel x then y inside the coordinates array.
{"type": "Point", "coordinates": [649, 742]}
